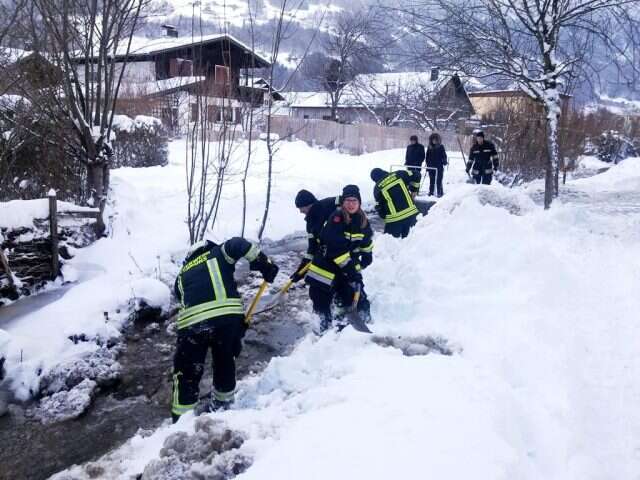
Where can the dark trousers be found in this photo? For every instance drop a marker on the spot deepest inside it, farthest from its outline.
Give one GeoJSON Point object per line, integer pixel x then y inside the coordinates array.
{"type": "Point", "coordinates": [223, 338]}
{"type": "Point", "coordinates": [435, 181]}
{"type": "Point", "coordinates": [400, 229]}
{"type": "Point", "coordinates": [484, 179]}
{"type": "Point", "coordinates": [322, 297]}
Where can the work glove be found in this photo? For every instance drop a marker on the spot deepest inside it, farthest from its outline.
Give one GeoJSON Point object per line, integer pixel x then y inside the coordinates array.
{"type": "Point", "coordinates": [297, 275]}
{"type": "Point", "coordinates": [268, 269]}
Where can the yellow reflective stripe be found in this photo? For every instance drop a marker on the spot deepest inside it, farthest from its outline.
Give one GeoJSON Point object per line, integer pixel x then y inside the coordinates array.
{"type": "Point", "coordinates": [390, 204]}
{"type": "Point", "coordinates": [203, 307]}
{"type": "Point", "coordinates": [209, 314]}
{"type": "Point", "coordinates": [216, 279]}
{"type": "Point", "coordinates": [357, 236]}
{"type": "Point", "coordinates": [223, 396]}
{"type": "Point", "coordinates": [229, 259]}
{"type": "Point", "coordinates": [343, 259]}
{"type": "Point", "coordinates": [385, 182]}
{"type": "Point", "coordinates": [367, 249]}
{"type": "Point", "coordinates": [253, 253]}
{"type": "Point", "coordinates": [401, 215]}
{"type": "Point", "coordinates": [358, 267]}
{"type": "Point", "coordinates": [321, 271]}
{"type": "Point", "coordinates": [176, 407]}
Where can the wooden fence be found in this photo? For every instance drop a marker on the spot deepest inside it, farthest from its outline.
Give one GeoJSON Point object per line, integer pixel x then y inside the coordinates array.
{"type": "Point", "coordinates": [358, 138]}
{"type": "Point", "coordinates": [38, 259]}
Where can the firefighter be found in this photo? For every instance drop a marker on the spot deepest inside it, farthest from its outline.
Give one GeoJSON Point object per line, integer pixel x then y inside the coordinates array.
{"type": "Point", "coordinates": [211, 317]}
{"type": "Point", "coordinates": [483, 159]}
{"type": "Point", "coordinates": [413, 159]}
{"type": "Point", "coordinates": [346, 248]}
{"type": "Point", "coordinates": [316, 212]}
{"type": "Point", "coordinates": [394, 203]}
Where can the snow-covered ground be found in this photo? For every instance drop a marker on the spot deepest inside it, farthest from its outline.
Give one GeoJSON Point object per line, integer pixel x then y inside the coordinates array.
{"type": "Point", "coordinates": [540, 307]}
{"type": "Point", "coordinates": [148, 238]}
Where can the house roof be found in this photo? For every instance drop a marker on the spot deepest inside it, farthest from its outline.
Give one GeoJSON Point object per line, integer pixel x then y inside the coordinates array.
{"type": "Point", "coordinates": [370, 89]}
{"type": "Point", "coordinates": [145, 48]}
{"type": "Point", "coordinates": [508, 92]}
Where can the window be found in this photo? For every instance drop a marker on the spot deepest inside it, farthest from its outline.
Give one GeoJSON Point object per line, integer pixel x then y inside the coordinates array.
{"type": "Point", "coordinates": [180, 67]}
{"type": "Point", "coordinates": [221, 75]}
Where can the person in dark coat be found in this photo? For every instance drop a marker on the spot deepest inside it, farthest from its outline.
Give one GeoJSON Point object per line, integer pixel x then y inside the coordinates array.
{"type": "Point", "coordinates": [436, 158]}
{"type": "Point", "coordinates": [316, 212]}
{"type": "Point", "coordinates": [346, 246]}
{"type": "Point", "coordinates": [394, 202]}
{"type": "Point", "coordinates": [413, 160]}
{"type": "Point", "coordinates": [211, 317]}
{"type": "Point", "coordinates": [483, 159]}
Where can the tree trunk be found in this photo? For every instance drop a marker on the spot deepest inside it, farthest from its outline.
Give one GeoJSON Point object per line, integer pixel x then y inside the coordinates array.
{"type": "Point", "coordinates": [552, 110]}
{"type": "Point", "coordinates": [96, 179]}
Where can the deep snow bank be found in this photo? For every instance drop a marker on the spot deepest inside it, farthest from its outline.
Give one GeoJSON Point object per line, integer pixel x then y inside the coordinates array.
{"type": "Point", "coordinates": [543, 310]}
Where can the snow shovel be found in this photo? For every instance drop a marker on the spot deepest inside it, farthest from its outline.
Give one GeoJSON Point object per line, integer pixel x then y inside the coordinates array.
{"type": "Point", "coordinates": [254, 303]}
{"type": "Point", "coordinates": [354, 317]}
{"type": "Point", "coordinates": [464, 159]}
{"type": "Point", "coordinates": [269, 302]}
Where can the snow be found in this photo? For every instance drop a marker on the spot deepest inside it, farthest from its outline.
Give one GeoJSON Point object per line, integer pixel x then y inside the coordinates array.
{"type": "Point", "coordinates": [22, 213]}
{"type": "Point", "coordinates": [66, 405]}
{"type": "Point", "coordinates": [588, 162]}
{"type": "Point", "coordinates": [140, 257]}
{"type": "Point", "coordinates": [539, 307]}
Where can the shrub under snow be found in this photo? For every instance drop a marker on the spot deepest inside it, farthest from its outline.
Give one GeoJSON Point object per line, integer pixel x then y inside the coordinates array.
{"type": "Point", "coordinates": [139, 142]}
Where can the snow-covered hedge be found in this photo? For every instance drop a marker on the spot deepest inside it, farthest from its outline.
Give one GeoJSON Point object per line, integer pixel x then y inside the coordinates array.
{"type": "Point", "coordinates": [139, 142]}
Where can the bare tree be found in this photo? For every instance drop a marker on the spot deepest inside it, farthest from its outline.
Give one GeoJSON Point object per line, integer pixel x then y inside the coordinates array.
{"type": "Point", "coordinates": [520, 41]}
{"type": "Point", "coordinates": [349, 49]}
{"type": "Point", "coordinates": [285, 27]}
{"type": "Point", "coordinates": [89, 41]}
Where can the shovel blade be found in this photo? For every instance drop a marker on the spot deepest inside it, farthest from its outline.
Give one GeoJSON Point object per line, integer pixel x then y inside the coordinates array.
{"type": "Point", "coordinates": [357, 322]}
{"type": "Point", "coordinates": [269, 302]}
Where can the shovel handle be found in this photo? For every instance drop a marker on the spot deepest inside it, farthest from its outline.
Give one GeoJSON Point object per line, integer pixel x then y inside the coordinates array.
{"type": "Point", "coordinates": [254, 303]}
{"type": "Point", "coordinates": [302, 271]}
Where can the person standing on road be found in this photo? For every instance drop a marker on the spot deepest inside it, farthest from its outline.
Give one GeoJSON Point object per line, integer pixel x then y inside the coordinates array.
{"type": "Point", "coordinates": [483, 159]}
{"type": "Point", "coordinates": [212, 318]}
{"type": "Point", "coordinates": [436, 159]}
{"type": "Point", "coordinates": [413, 159]}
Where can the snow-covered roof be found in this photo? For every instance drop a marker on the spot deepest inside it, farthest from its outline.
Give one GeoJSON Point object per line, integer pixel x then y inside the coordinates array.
{"type": "Point", "coordinates": [12, 55]}
{"type": "Point", "coordinates": [11, 102]}
{"type": "Point", "coordinates": [616, 105]}
{"type": "Point", "coordinates": [142, 47]}
{"type": "Point", "coordinates": [371, 89]}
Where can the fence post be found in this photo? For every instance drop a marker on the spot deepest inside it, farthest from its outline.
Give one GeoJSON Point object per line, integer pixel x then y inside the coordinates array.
{"type": "Point", "coordinates": [5, 266]}
{"type": "Point", "coordinates": [53, 224]}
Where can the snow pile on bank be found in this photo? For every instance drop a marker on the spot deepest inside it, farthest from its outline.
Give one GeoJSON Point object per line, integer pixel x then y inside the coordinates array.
{"type": "Point", "coordinates": [625, 177]}
{"type": "Point", "coordinates": [542, 314]}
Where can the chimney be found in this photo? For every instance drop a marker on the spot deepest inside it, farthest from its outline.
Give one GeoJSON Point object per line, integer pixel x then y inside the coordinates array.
{"type": "Point", "coordinates": [435, 73]}
{"type": "Point", "coordinates": [170, 31]}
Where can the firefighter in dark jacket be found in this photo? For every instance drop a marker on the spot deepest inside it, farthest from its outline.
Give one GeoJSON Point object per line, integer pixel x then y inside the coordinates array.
{"type": "Point", "coordinates": [483, 159]}
{"type": "Point", "coordinates": [394, 203]}
{"type": "Point", "coordinates": [436, 159]}
{"type": "Point", "coordinates": [211, 317]}
{"type": "Point", "coordinates": [413, 160]}
{"type": "Point", "coordinates": [346, 248]}
{"type": "Point", "coordinates": [316, 212]}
